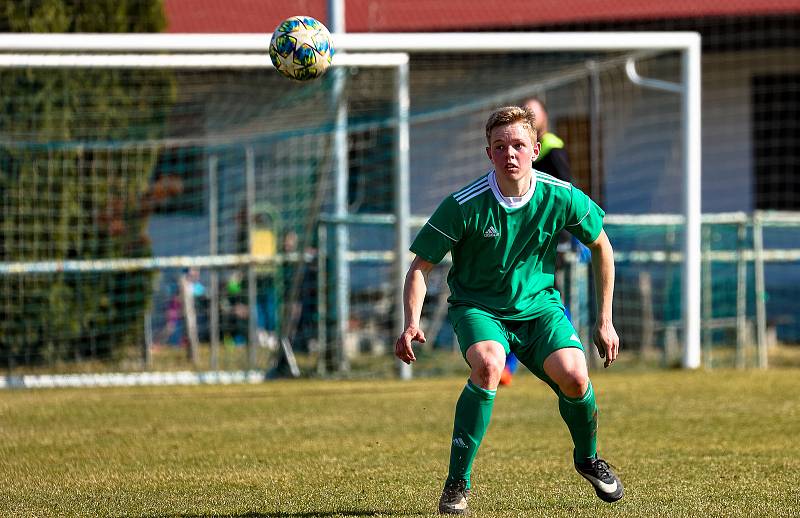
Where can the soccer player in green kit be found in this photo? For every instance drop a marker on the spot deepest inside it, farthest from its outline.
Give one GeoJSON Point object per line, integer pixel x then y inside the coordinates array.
{"type": "Point", "coordinates": [502, 230]}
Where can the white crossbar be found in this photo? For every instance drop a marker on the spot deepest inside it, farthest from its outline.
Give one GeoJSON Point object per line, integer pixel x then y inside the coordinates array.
{"type": "Point", "coordinates": [355, 42]}
{"type": "Point", "coordinates": [182, 60]}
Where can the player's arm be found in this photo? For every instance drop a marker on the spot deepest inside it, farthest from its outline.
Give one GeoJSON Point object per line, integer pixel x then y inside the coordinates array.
{"type": "Point", "coordinates": [414, 292]}
{"type": "Point", "coordinates": [605, 336]}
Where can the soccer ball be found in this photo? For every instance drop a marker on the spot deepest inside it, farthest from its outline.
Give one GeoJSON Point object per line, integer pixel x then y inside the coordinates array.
{"type": "Point", "coordinates": [301, 48]}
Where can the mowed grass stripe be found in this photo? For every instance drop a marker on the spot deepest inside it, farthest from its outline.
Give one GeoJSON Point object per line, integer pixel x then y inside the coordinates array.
{"type": "Point", "coordinates": [685, 444]}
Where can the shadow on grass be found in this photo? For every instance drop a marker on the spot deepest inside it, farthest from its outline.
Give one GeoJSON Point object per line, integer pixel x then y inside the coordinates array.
{"type": "Point", "coordinates": [277, 514]}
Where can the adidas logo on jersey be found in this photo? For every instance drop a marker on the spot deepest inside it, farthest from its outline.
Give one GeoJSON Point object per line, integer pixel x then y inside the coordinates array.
{"type": "Point", "coordinates": [491, 232]}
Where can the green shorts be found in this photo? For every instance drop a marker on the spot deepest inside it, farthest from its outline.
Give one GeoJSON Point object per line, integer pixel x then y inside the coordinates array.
{"type": "Point", "coordinates": [532, 341]}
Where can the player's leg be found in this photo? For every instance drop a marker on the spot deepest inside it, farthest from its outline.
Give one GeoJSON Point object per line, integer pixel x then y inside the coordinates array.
{"type": "Point", "coordinates": [484, 347]}
{"type": "Point", "coordinates": [473, 412]}
{"type": "Point", "coordinates": [576, 401]}
{"type": "Point", "coordinates": [556, 355]}
{"type": "Point", "coordinates": [578, 407]}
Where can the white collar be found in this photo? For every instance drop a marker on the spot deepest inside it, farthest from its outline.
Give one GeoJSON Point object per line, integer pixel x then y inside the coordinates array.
{"type": "Point", "coordinates": [511, 202]}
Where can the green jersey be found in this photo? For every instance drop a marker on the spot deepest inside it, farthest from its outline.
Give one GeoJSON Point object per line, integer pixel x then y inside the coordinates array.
{"type": "Point", "coordinates": [504, 249]}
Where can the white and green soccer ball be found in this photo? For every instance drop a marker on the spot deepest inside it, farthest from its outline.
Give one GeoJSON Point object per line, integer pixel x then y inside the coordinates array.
{"type": "Point", "coordinates": [301, 48]}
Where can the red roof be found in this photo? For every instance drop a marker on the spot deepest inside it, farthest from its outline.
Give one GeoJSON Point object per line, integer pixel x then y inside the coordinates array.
{"type": "Point", "coordinates": [443, 15]}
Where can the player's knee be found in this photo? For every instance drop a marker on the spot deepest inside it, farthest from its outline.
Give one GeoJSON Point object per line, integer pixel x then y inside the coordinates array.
{"type": "Point", "coordinates": [575, 383]}
{"type": "Point", "coordinates": [487, 373]}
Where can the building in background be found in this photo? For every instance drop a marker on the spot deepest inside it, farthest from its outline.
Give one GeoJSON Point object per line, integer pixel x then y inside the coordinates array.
{"type": "Point", "coordinates": [244, 157]}
{"type": "Point", "coordinates": [750, 103]}
{"type": "Point", "coordinates": [751, 74]}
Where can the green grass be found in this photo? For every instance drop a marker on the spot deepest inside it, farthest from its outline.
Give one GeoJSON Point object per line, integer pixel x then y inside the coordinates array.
{"type": "Point", "coordinates": [688, 444]}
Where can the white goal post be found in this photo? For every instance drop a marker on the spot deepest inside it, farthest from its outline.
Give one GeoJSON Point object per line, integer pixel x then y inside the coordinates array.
{"type": "Point", "coordinates": [249, 50]}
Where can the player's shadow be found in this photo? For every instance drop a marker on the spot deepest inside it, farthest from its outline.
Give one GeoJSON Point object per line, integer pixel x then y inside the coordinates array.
{"type": "Point", "coordinates": [277, 514]}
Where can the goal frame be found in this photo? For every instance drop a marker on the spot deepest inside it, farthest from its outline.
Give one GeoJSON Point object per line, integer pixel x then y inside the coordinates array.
{"type": "Point", "coordinates": [248, 50]}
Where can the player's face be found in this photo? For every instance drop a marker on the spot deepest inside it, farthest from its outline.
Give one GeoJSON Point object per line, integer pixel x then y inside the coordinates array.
{"type": "Point", "coordinates": [511, 151]}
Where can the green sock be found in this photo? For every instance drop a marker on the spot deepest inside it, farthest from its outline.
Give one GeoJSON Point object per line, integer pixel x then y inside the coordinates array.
{"type": "Point", "coordinates": [581, 417]}
{"type": "Point", "coordinates": [473, 411]}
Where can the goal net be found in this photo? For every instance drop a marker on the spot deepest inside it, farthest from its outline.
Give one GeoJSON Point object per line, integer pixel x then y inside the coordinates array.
{"type": "Point", "coordinates": [195, 212]}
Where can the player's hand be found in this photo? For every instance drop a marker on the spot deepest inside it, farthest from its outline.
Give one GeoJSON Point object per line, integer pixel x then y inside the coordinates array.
{"type": "Point", "coordinates": [607, 342]}
{"type": "Point", "coordinates": [403, 349]}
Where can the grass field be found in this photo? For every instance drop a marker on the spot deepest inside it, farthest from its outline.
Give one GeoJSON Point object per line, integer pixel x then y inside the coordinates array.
{"type": "Point", "coordinates": [722, 443]}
